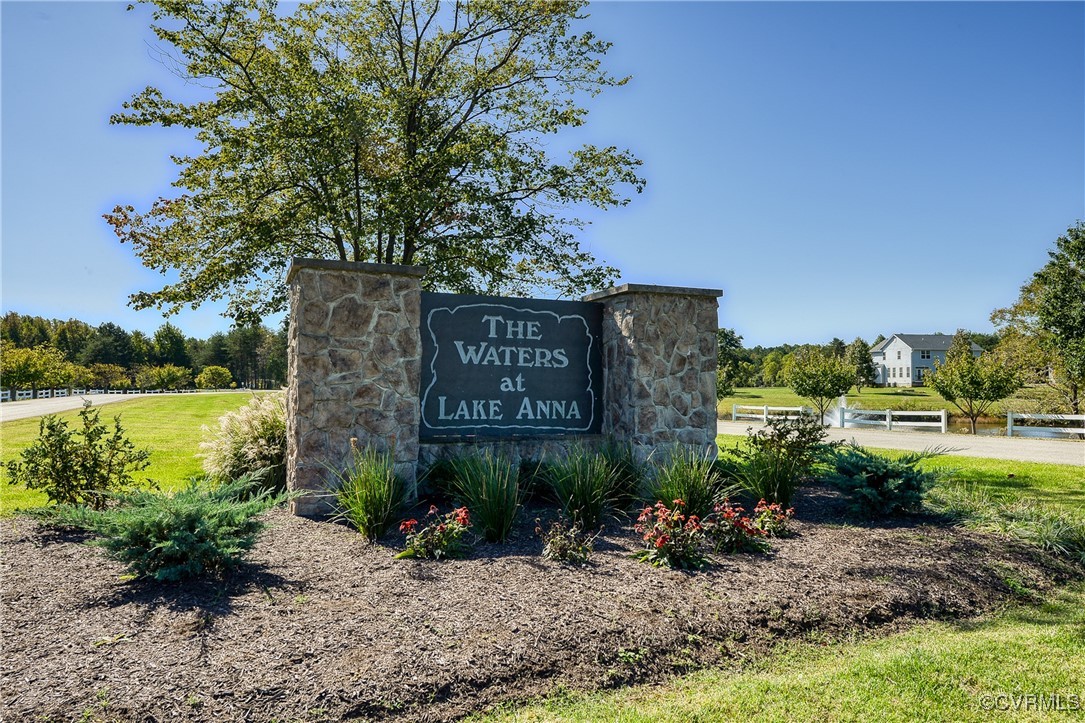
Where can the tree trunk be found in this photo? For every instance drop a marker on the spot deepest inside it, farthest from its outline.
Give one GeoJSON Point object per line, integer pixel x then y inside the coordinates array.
{"type": "Point", "coordinates": [972, 420]}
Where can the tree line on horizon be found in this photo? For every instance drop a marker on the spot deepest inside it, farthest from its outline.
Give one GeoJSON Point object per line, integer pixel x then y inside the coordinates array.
{"type": "Point", "coordinates": [40, 353]}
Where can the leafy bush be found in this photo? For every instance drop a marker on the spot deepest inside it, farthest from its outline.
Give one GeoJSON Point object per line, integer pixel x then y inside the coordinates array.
{"type": "Point", "coordinates": [196, 531]}
{"type": "Point", "coordinates": [78, 467]}
{"type": "Point", "coordinates": [369, 495]}
{"type": "Point", "coordinates": [167, 376]}
{"type": "Point", "coordinates": [250, 439]}
{"type": "Point", "coordinates": [214, 377]}
{"type": "Point", "coordinates": [584, 485]}
{"type": "Point", "coordinates": [880, 486]}
{"type": "Point", "coordinates": [566, 543]}
{"type": "Point", "coordinates": [442, 537]}
{"type": "Point", "coordinates": [729, 530]}
{"type": "Point", "coordinates": [670, 537]}
{"type": "Point", "coordinates": [489, 484]}
{"type": "Point", "coordinates": [685, 473]}
{"type": "Point", "coordinates": [774, 461]}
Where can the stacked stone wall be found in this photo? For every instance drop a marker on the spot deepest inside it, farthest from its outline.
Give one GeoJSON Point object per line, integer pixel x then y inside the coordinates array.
{"type": "Point", "coordinates": [354, 354]}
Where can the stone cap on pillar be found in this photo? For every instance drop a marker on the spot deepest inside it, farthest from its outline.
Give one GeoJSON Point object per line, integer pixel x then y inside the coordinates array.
{"type": "Point", "coordinates": [651, 289]}
{"type": "Point", "coordinates": [296, 264]}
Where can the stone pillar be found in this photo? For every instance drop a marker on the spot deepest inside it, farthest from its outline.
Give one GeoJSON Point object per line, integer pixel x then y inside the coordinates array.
{"type": "Point", "coordinates": [659, 364]}
{"type": "Point", "coordinates": [354, 355]}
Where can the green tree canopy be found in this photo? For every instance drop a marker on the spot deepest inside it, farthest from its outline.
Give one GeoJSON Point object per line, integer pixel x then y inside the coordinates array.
{"type": "Point", "coordinates": [972, 384]}
{"type": "Point", "coordinates": [1060, 298]}
{"type": "Point", "coordinates": [858, 357]}
{"type": "Point", "coordinates": [214, 377]}
{"type": "Point", "coordinates": [819, 376]}
{"type": "Point", "coordinates": [408, 133]}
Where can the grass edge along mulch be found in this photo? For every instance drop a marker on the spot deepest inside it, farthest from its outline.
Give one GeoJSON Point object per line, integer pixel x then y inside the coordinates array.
{"type": "Point", "coordinates": [1022, 663]}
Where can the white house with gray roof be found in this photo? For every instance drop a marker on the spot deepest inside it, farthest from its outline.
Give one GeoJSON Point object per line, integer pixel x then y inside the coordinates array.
{"type": "Point", "coordinates": [902, 360]}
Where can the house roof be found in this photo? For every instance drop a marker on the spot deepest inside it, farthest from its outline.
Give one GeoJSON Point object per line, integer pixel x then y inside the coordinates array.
{"type": "Point", "coordinates": [924, 342]}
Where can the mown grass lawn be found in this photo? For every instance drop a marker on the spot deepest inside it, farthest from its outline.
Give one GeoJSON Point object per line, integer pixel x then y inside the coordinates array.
{"type": "Point", "coordinates": [963, 671]}
{"type": "Point", "coordinates": [168, 425]}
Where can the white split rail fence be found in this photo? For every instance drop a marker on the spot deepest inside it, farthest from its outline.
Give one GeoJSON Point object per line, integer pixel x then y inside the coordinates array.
{"type": "Point", "coordinates": [889, 419]}
{"type": "Point", "coordinates": [1010, 426]}
{"type": "Point", "coordinates": [765, 412]}
{"type": "Point", "coordinates": [24, 394]}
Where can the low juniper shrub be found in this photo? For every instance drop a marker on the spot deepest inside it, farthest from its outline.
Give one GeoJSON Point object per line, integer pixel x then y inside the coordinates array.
{"type": "Point", "coordinates": [671, 538]}
{"type": "Point", "coordinates": [566, 543]}
{"type": "Point", "coordinates": [443, 536]}
{"type": "Point", "coordinates": [880, 486]}
{"type": "Point", "coordinates": [197, 531]}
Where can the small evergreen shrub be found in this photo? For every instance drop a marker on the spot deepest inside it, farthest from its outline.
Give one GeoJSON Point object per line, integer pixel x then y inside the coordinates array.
{"type": "Point", "coordinates": [584, 484]}
{"type": "Point", "coordinates": [688, 474]}
{"type": "Point", "coordinates": [79, 467]}
{"type": "Point", "coordinates": [442, 537]}
{"type": "Point", "coordinates": [566, 543]}
{"type": "Point", "coordinates": [368, 494]}
{"type": "Point", "coordinates": [671, 538]}
{"type": "Point", "coordinates": [489, 484]}
{"type": "Point", "coordinates": [879, 486]}
{"type": "Point", "coordinates": [197, 531]}
{"type": "Point", "coordinates": [250, 439]}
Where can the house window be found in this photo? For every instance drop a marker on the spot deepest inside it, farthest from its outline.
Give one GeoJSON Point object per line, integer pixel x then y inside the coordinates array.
{"type": "Point", "coordinates": [898, 353]}
{"type": "Point", "coordinates": [919, 372]}
{"type": "Point", "coordinates": [907, 371]}
{"type": "Point", "coordinates": [925, 354]}
{"type": "Point", "coordinates": [893, 372]}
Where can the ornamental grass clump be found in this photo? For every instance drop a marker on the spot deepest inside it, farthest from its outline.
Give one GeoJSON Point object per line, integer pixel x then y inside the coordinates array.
{"type": "Point", "coordinates": [247, 440]}
{"type": "Point", "coordinates": [685, 473]}
{"type": "Point", "coordinates": [198, 531]}
{"type": "Point", "coordinates": [584, 484]}
{"type": "Point", "coordinates": [442, 537]}
{"type": "Point", "coordinates": [627, 471]}
{"type": "Point", "coordinates": [489, 484]}
{"type": "Point", "coordinates": [368, 493]}
{"type": "Point", "coordinates": [671, 538]}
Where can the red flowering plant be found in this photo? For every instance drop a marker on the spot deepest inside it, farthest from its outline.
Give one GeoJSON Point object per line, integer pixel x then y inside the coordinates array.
{"type": "Point", "coordinates": [772, 518]}
{"type": "Point", "coordinates": [670, 537]}
{"type": "Point", "coordinates": [729, 530]}
{"type": "Point", "coordinates": [443, 536]}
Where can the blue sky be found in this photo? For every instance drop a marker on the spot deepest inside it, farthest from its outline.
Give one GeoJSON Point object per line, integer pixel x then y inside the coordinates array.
{"type": "Point", "coordinates": [839, 169]}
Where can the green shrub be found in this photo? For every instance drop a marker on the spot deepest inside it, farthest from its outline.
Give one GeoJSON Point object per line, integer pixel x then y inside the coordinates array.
{"type": "Point", "coordinates": [584, 484]}
{"type": "Point", "coordinates": [773, 462]}
{"type": "Point", "coordinates": [197, 531]}
{"type": "Point", "coordinates": [880, 486]}
{"type": "Point", "coordinates": [78, 467]}
{"type": "Point", "coordinates": [250, 439]}
{"type": "Point", "coordinates": [214, 377]}
{"type": "Point", "coordinates": [684, 473]}
{"type": "Point", "coordinates": [489, 484]}
{"type": "Point", "coordinates": [368, 493]}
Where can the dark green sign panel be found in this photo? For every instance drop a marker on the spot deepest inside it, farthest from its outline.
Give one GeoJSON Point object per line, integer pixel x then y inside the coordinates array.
{"type": "Point", "coordinates": [504, 367]}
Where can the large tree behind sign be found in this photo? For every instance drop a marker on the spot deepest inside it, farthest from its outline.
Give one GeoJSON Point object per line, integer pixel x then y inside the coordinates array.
{"type": "Point", "coordinates": [375, 131]}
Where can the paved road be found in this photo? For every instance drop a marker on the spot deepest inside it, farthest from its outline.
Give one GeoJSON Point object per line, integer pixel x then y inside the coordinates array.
{"type": "Point", "coordinates": [40, 407]}
{"type": "Point", "coordinates": [1061, 451]}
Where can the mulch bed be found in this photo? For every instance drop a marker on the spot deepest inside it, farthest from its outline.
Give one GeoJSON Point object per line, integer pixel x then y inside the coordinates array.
{"type": "Point", "coordinates": [320, 625]}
